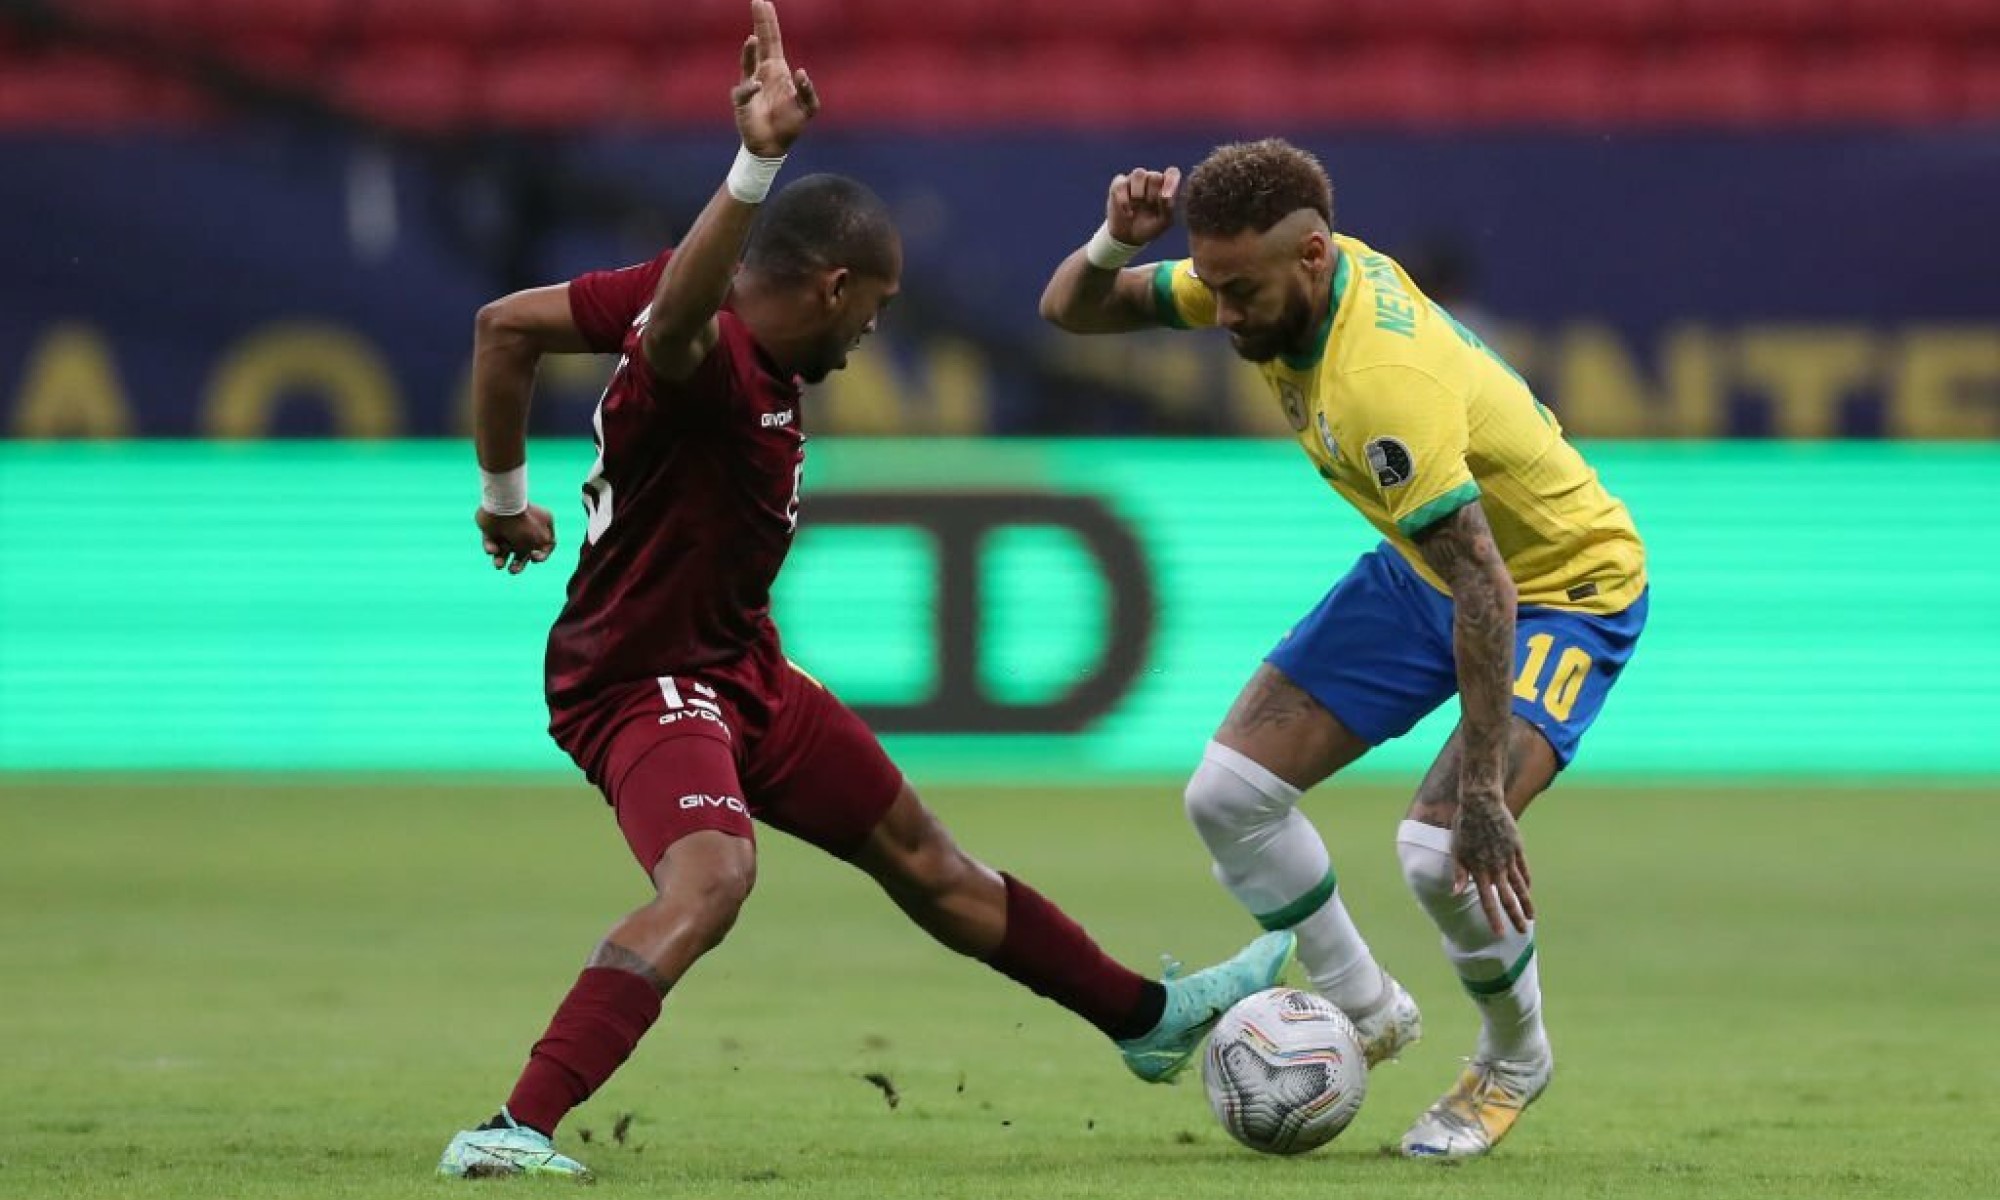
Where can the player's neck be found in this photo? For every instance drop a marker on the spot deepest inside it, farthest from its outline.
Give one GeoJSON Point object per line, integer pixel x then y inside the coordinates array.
{"type": "Point", "coordinates": [1322, 304]}
{"type": "Point", "coordinates": [764, 313]}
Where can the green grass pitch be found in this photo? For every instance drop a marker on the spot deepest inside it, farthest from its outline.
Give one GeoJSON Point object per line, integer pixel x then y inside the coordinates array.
{"type": "Point", "coordinates": [300, 987]}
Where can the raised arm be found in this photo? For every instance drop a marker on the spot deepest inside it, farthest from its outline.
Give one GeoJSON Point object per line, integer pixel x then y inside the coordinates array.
{"type": "Point", "coordinates": [1092, 290]}
{"type": "Point", "coordinates": [773, 103]}
{"type": "Point", "coordinates": [509, 338]}
{"type": "Point", "coordinates": [1485, 842]}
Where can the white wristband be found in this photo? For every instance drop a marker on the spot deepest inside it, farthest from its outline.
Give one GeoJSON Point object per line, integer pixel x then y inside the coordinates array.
{"type": "Point", "coordinates": [504, 493]}
{"type": "Point", "coordinates": [750, 177]}
{"type": "Point", "coordinates": [1107, 253]}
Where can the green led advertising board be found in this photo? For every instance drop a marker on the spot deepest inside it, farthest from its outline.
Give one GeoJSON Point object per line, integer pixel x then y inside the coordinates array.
{"type": "Point", "coordinates": [1007, 610]}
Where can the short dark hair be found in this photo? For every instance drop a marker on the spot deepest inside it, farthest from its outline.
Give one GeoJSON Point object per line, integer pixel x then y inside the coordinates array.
{"type": "Point", "coordinates": [1253, 186]}
{"type": "Point", "coordinates": [821, 222]}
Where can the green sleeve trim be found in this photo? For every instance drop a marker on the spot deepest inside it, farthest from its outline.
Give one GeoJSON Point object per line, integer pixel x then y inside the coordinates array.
{"type": "Point", "coordinates": [1438, 509]}
{"type": "Point", "coordinates": [1493, 987]}
{"type": "Point", "coordinates": [1303, 907]}
{"type": "Point", "coordinates": [1164, 305]}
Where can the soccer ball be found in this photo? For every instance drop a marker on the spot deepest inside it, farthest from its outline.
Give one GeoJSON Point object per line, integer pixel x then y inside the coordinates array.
{"type": "Point", "coordinates": [1284, 1071]}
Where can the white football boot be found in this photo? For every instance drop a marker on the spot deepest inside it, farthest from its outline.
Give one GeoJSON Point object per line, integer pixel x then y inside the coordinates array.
{"type": "Point", "coordinates": [1471, 1118]}
{"type": "Point", "coordinates": [1391, 1025]}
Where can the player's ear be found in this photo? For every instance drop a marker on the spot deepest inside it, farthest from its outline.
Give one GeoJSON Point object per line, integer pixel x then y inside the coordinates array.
{"type": "Point", "coordinates": [835, 286]}
{"type": "Point", "coordinates": [1315, 250]}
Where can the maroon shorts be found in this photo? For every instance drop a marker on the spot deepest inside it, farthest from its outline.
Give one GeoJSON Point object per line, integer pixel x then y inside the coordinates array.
{"type": "Point", "coordinates": [713, 749]}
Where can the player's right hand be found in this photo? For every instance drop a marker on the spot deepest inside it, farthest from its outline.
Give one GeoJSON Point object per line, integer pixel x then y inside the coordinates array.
{"type": "Point", "coordinates": [773, 102]}
{"type": "Point", "coordinates": [1141, 204]}
{"type": "Point", "coordinates": [514, 542]}
{"type": "Point", "coordinates": [1487, 856]}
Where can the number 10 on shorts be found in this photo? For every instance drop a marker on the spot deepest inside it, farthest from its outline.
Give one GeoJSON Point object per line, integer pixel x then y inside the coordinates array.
{"type": "Point", "coordinates": [1558, 694]}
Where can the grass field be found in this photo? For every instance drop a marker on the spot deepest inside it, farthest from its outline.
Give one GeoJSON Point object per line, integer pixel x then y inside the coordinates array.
{"type": "Point", "coordinates": [293, 987]}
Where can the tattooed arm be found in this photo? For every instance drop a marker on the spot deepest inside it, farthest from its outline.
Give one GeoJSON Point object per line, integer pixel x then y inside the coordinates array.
{"type": "Point", "coordinates": [1485, 842]}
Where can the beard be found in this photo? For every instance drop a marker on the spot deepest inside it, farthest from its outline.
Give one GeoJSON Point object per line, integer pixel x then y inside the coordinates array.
{"type": "Point", "coordinates": [829, 359]}
{"type": "Point", "coordinates": [1289, 332]}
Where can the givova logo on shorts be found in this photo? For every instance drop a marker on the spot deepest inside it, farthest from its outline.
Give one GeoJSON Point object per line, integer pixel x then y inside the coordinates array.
{"type": "Point", "coordinates": [702, 707]}
{"type": "Point", "coordinates": [703, 800]}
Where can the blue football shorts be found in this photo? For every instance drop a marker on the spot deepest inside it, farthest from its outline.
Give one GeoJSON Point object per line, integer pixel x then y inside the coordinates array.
{"type": "Point", "coordinates": [1377, 653]}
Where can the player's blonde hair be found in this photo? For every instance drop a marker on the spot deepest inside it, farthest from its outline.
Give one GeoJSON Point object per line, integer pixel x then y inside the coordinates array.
{"type": "Point", "coordinates": [1253, 186]}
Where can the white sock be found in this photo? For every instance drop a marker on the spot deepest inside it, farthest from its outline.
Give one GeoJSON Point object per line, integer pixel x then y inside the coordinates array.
{"type": "Point", "coordinates": [1502, 974]}
{"type": "Point", "coordinates": [1272, 860]}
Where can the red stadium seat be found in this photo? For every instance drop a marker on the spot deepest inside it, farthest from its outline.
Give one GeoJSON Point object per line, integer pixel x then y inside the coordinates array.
{"type": "Point", "coordinates": [1417, 20]}
{"type": "Point", "coordinates": [805, 23]}
{"type": "Point", "coordinates": [1563, 19]}
{"type": "Point", "coordinates": [1895, 83]}
{"type": "Point", "coordinates": [559, 87]}
{"type": "Point", "coordinates": [1282, 25]}
{"type": "Point", "coordinates": [311, 19]}
{"type": "Point", "coordinates": [1979, 97]}
{"type": "Point", "coordinates": [429, 22]}
{"type": "Point", "coordinates": [956, 24]}
{"type": "Point", "coordinates": [906, 85]}
{"type": "Point", "coordinates": [1732, 84]}
{"type": "Point", "coordinates": [1117, 22]}
{"type": "Point", "coordinates": [1547, 85]}
{"type": "Point", "coordinates": [1239, 85]}
{"type": "Point", "coordinates": [426, 87]}
{"type": "Point", "coordinates": [73, 92]}
{"type": "Point", "coordinates": [137, 16]}
{"type": "Point", "coordinates": [612, 22]}
{"type": "Point", "coordinates": [1932, 18]}
{"type": "Point", "coordinates": [275, 57]}
{"type": "Point", "coordinates": [1065, 85]}
{"type": "Point", "coordinates": [1393, 85]}
{"type": "Point", "coordinates": [689, 87]}
{"type": "Point", "coordinates": [1778, 18]}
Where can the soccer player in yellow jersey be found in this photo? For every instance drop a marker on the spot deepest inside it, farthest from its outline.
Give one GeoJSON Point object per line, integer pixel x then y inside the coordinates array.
{"type": "Point", "coordinates": [1507, 574]}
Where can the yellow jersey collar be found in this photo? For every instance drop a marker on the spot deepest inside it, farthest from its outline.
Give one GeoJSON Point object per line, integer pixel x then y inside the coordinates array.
{"type": "Point", "coordinates": [1335, 293]}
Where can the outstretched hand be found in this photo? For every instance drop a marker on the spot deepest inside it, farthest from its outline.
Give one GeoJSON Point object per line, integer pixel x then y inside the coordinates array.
{"type": "Point", "coordinates": [1141, 204]}
{"type": "Point", "coordinates": [773, 101]}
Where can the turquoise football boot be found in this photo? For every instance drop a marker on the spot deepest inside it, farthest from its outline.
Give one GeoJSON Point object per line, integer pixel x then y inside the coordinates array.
{"type": "Point", "coordinates": [508, 1150]}
{"type": "Point", "coordinates": [1196, 1003]}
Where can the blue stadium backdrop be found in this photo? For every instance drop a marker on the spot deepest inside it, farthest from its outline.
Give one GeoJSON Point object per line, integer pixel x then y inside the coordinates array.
{"type": "Point", "coordinates": [1697, 285]}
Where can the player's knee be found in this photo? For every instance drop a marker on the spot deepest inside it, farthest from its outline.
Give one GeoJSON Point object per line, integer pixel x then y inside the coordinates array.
{"type": "Point", "coordinates": [1426, 869]}
{"type": "Point", "coordinates": [709, 894]}
{"type": "Point", "coordinates": [1222, 805]}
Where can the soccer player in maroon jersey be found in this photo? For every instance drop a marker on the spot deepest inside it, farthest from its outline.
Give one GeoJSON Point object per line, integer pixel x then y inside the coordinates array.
{"type": "Point", "coordinates": [666, 682]}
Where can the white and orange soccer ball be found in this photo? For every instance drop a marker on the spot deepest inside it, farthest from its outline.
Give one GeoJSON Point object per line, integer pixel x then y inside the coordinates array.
{"type": "Point", "coordinates": [1284, 1071]}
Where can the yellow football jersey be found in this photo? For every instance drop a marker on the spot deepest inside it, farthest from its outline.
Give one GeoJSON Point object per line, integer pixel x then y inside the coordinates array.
{"type": "Point", "coordinates": [1410, 416]}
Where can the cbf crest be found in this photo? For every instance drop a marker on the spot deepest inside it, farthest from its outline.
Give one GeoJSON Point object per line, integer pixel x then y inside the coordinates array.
{"type": "Point", "coordinates": [1326, 439]}
{"type": "Point", "coordinates": [1294, 401]}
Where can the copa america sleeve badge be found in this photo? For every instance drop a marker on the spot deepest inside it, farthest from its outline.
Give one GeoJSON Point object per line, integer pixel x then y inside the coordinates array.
{"type": "Point", "coordinates": [1390, 460]}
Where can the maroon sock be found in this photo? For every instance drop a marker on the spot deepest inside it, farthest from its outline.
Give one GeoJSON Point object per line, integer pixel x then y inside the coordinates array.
{"type": "Point", "coordinates": [592, 1033]}
{"type": "Point", "coordinates": [1051, 955]}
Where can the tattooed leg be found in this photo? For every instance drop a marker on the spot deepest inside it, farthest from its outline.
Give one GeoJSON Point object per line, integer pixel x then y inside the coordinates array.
{"type": "Point", "coordinates": [1277, 725]}
{"type": "Point", "coordinates": [1531, 768]}
{"type": "Point", "coordinates": [1243, 801]}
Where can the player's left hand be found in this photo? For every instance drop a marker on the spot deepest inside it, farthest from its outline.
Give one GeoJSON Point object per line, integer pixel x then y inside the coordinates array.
{"type": "Point", "coordinates": [514, 542]}
{"type": "Point", "coordinates": [1486, 852]}
{"type": "Point", "coordinates": [773, 102]}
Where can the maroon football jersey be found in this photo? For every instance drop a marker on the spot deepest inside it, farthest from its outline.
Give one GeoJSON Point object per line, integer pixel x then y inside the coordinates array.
{"type": "Point", "coordinates": [689, 509]}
